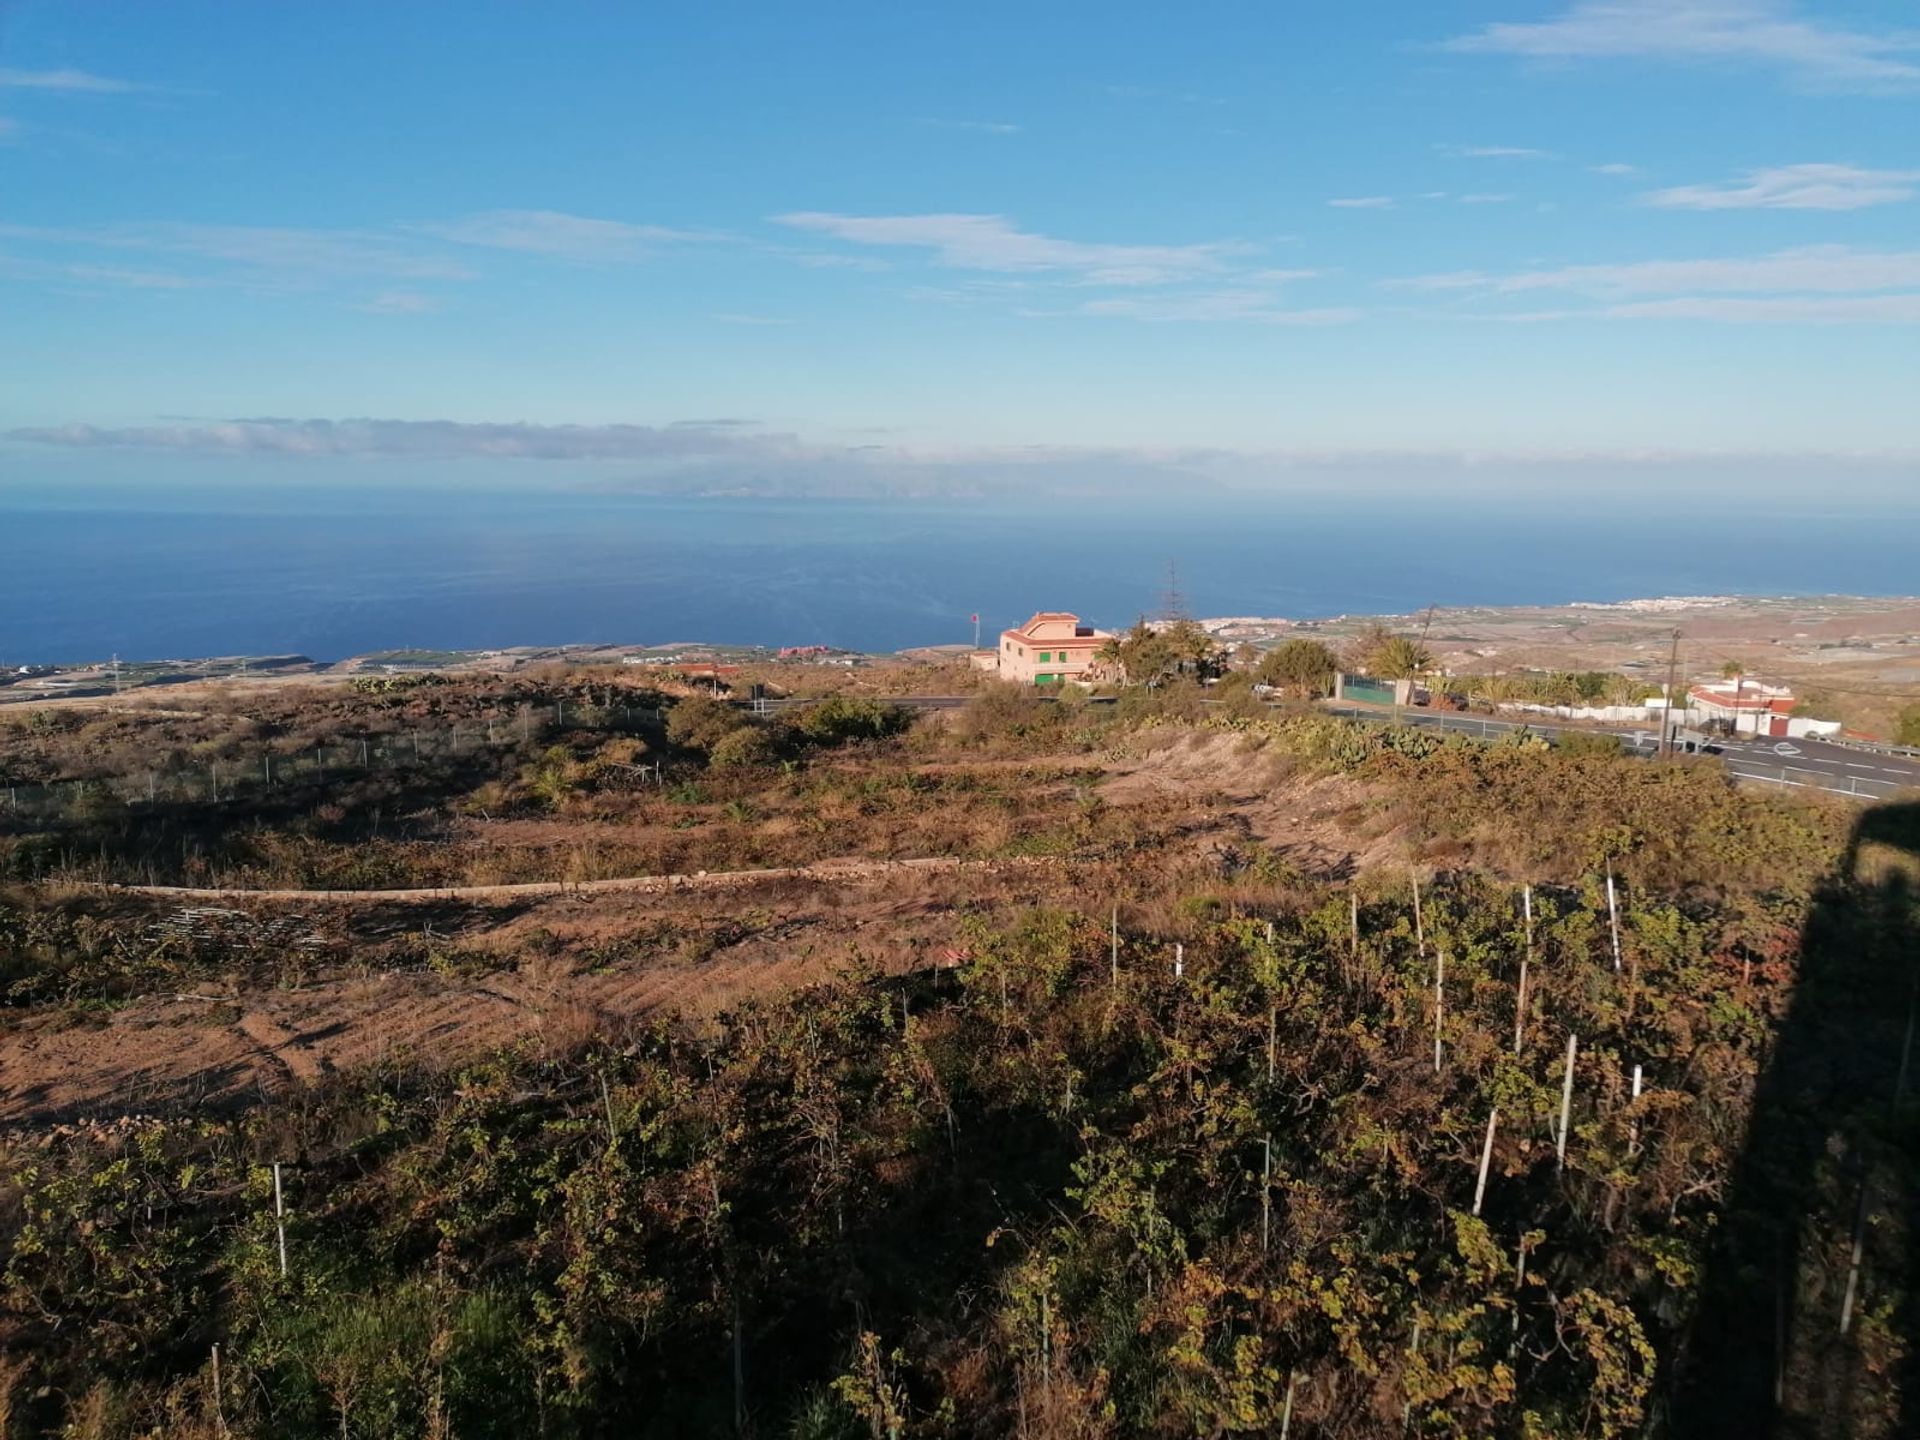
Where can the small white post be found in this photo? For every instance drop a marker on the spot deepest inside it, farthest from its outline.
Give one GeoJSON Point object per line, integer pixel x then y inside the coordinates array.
{"type": "Point", "coordinates": [1439, 1002]}
{"type": "Point", "coordinates": [1419, 923]}
{"type": "Point", "coordinates": [219, 1401]}
{"type": "Point", "coordinates": [1633, 1135]}
{"type": "Point", "coordinates": [1273, 1030]}
{"type": "Point", "coordinates": [1179, 961]}
{"type": "Point", "coordinates": [1566, 1103]}
{"type": "Point", "coordinates": [280, 1219]}
{"type": "Point", "coordinates": [1286, 1410]}
{"type": "Point", "coordinates": [1113, 963]}
{"type": "Point", "coordinates": [1613, 917]}
{"type": "Point", "coordinates": [1353, 923]}
{"type": "Point", "coordinates": [1486, 1159]}
{"type": "Point", "coordinates": [1853, 1262]}
{"type": "Point", "coordinates": [1406, 1413]}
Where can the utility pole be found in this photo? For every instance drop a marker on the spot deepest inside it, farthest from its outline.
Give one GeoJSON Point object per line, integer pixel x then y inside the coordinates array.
{"type": "Point", "coordinates": [1666, 715]}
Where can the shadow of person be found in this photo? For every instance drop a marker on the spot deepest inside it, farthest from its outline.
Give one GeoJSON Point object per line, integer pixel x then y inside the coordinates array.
{"type": "Point", "coordinates": [1807, 1323]}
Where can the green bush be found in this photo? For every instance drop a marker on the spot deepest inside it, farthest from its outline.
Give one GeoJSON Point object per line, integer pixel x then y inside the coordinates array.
{"type": "Point", "coordinates": [748, 747]}
{"type": "Point", "coordinates": [840, 720]}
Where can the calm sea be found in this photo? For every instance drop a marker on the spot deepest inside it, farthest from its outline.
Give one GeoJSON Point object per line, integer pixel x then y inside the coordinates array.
{"type": "Point", "coordinates": [332, 572]}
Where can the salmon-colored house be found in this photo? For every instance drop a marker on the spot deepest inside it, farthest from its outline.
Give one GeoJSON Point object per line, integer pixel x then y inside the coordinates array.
{"type": "Point", "coordinates": [1050, 649]}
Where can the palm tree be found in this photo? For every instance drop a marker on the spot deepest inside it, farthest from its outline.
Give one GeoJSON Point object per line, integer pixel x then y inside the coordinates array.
{"type": "Point", "coordinates": [1399, 658]}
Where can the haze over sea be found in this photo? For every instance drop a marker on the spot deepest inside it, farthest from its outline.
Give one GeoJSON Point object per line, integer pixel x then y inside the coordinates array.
{"type": "Point", "coordinates": [191, 570]}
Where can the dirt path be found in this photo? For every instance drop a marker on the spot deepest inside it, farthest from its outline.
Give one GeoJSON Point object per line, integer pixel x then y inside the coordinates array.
{"type": "Point", "coordinates": [551, 969]}
{"type": "Point", "coordinates": [849, 868]}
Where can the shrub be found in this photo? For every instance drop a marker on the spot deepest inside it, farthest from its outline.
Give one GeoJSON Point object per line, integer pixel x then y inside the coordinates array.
{"type": "Point", "coordinates": [745, 748]}
{"type": "Point", "coordinates": [840, 719]}
{"type": "Point", "coordinates": [697, 723]}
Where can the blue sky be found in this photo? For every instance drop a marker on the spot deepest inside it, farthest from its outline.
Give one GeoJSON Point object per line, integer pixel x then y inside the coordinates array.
{"type": "Point", "coordinates": [824, 234]}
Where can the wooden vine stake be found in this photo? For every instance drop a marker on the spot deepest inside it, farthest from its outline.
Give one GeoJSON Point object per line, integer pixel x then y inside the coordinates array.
{"type": "Point", "coordinates": [219, 1402]}
{"type": "Point", "coordinates": [1266, 1193]}
{"type": "Point", "coordinates": [1613, 917]}
{"type": "Point", "coordinates": [1526, 961]}
{"type": "Point", "coordinates": [1486, 1159]}
{"type": "Point", "coordinates": [1286, 1410]}
{"type": "Point", "coordinates": [1419, 922]}
{"type": "Point", "coordinates": [280, 1219]}
{"type": "Point", "coordinates": [1353, 924]}
{"type": "Point", "coordinates": [1633, 1134]}
{"type": "Point", "coordinates": [1566, 1104]}
{"type": "Point", "coordinates": [1439, 1002]}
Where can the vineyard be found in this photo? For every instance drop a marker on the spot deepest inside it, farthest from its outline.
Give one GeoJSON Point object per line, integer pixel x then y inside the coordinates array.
{"type": "Point", "coordinates": [1575, 1099]}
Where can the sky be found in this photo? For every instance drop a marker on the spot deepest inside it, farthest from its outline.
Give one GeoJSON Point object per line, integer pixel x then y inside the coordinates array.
{"type": "Point", "coordinates": [1241, 235]}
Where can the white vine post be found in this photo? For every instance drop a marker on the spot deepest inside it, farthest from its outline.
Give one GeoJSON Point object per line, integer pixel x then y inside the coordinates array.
{"type": "Point", "coordinates": [1406, 1414]}
{"type": "Point", "coordinates": [1613, 917]}
{"type": "Point", "coordinates": [219, 1401]}
{"type": "Point", "coordinates": [1439, 1002]}
{"type": "Point", "coordinates": [1179, 961]}
{"type": "Point", "coordinates": [1353, 923]}
{"type": "Point", "coordinates": [1566, 1104]}
{"type": "Point", "coordinates": [1519, 1280]}
{"type": "Point", "coordinates": [1113, 963]}
{"type": "Point", "coordinates": [1419, 924]}
{"type": "Point", "coordinates": [1286, 1412]}
{"type": "Point", "coordinates": [1633, 1136]}
{"type": "Point", "coordinates": [1526, 961]}
{"type": "Point", "coordinates": [280, 1219]}
{"type": "Point", "coordinates": [1486, 1159]}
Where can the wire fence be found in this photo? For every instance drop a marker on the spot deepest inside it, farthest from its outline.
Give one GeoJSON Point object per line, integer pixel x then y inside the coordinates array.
{"type": "Point", "coordinates": [252, 771]}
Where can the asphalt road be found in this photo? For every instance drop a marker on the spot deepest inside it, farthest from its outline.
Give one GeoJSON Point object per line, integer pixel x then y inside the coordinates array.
{"type": "Point", "coordinates": [1813, 763]}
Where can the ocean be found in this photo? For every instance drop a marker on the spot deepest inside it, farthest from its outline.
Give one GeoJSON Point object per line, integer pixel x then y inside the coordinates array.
{"type": "Point", "coordinates": [328, 571]}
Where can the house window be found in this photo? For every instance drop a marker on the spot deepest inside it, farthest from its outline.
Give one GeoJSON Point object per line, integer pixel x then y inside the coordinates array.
{"type": "Point", "coordinates": [1045, 657]}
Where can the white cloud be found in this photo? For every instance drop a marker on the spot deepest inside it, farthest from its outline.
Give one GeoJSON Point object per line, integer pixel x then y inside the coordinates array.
{"type": "Point", "coordinates": [1485, 199]}
{"type": "Point", "coordinates": [991, 242]}
{"type": "Point", "coordinates": [735, 317]}
{"type": "Point", "coordinates": [561, 236]}
{"type": "Point", "coordinates": [979, 127]}
{"type": "Point", "coordinates": [1495, 152]}
{"type": "Point", "coordinates": [400, 302]}
{"type": "Point", "coordinates": [1821, 269]}
{"type": "Point", "coordinates": [1794, 187]}
{"type": "Point", "coordinates": [420, 438]}
{"type": "Point", "coordinates": [1251, 305]}
{"type": "Point", "coordinates": [1817, 53]}
{"type": "Point", "coordinates": [69, 81]}
{"type": "Point", "coordinates": [1363, 202]}
{"type": "Point", "coordinates": [1777, 310]}
{"type": "Point", "coordinates": [266, 254]}
{"type": "Point", "coordinates": [1615, 168]}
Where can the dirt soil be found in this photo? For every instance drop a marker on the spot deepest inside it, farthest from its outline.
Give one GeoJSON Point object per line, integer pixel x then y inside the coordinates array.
{"type": "Point", "coordinates": [551, 964]}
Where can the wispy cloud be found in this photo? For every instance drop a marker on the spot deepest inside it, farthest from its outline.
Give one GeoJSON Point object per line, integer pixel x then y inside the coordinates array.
{"type": "Point", "coordinates": [1794, 187]}
{"type": "Point", "coordinates": [1363, 202]}
{"type": "Point", "coordinates": [1777, 310]}
{"type": "Point", "coordinates": [1821, 269]}
{"type": "Point", "coordinates": [1157, 92]}
{"type": "Point", "coordinates": [1244, 306]}
{"type": "Point", "coordinates": [736, 317]}
{"type": "Point", "coordinates": [263, 254]}
{"type": "Point", "coordinates": [401, 302]}
{"type": "Point", "coordinates": [72, 82]}
{"type": "Point", "coordinates": [561, 236]}
{"type": "Point", "coordinates": [992, 242]}
{"type": "Point", "coordinates": [1818, 54]}
{"type": "Point", "coordinates": [979, 127]}
{"type": "Point", "coordinates": [1821, 285]}
{"type": "Point", "coordinates": [1494, 152]}
{"type": "Point", "coordinates": [1485, 199]}
{"type": "Point", "coordinates": [418, 438]}
{"type": "Point", "coordinates": [1615, 168]}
